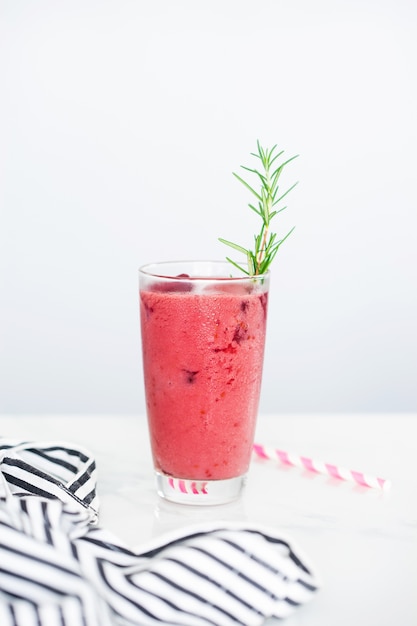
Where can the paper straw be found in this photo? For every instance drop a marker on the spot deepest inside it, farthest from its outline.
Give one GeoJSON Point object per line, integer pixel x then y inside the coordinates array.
{"type": "Point", "coordinates": [188, 486]}
{"type": "Point", "coordinates": [313, 465]}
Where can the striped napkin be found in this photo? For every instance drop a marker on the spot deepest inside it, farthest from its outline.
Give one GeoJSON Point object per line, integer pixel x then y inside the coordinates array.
{"type": "Point", "coordinates": [58, 567]}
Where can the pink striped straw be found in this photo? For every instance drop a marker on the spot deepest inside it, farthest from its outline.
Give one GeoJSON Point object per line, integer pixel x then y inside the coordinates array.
{"type": "Point", "coordinates": [188, 486]}
{"type": "Point", "coordinates": [313, 465]}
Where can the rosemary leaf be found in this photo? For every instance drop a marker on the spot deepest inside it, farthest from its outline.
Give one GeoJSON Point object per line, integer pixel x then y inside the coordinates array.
{"type": "Point", "coordinates": [266, 245]}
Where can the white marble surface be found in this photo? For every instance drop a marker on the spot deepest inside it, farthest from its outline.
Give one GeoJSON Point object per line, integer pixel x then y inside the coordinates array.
{"type": "Point", "coordinates": [362, 542]}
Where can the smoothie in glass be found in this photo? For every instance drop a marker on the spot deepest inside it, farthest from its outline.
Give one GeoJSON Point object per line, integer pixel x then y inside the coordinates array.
{"type": "Point", "coordinates": [203, 337]}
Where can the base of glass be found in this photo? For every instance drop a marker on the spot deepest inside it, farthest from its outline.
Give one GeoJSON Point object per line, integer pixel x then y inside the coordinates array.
{"type": "Point", "coordinates": [199, 492]}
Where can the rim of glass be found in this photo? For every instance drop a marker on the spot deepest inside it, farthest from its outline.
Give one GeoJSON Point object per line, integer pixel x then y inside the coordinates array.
{"type": "Point", "coordinates": [157, 271]}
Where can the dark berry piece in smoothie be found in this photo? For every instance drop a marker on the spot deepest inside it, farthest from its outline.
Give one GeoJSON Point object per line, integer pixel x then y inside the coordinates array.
{"type": "Point", "coordinates": [190, 376]}
{"type": "Point", "coordinates": [173, 285]}
{"type": "Point", "coordinates": [241, 332]}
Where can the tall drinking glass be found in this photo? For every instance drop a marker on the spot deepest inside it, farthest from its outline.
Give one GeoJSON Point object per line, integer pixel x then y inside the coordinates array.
{"type": "Point", "coordinates": [203, 329]}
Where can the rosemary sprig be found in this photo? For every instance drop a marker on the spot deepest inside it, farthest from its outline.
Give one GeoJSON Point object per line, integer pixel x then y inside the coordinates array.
{"type": "Point", "coordinates": [266, 243]}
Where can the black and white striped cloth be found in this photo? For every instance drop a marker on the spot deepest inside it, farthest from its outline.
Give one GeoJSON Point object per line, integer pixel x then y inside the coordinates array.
{"type": "Point", "coordinates": [58, 567]}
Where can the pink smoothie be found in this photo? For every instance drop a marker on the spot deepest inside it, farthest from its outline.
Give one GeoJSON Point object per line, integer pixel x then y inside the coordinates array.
{"type": "Point", "coordinates": [202, 357]}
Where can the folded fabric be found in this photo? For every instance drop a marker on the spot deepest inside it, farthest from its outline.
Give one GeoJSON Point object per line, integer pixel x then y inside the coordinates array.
{"type": "Point", "coordinates": [58, 567]}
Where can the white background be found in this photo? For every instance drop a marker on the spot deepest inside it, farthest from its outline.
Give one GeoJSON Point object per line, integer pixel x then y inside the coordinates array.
{"type": "Point", "coordinates": [121, 122]}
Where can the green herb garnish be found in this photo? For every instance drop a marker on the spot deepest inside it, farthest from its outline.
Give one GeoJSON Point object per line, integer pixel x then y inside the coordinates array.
{"type": "Point", "coordinates": [266, 243]}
